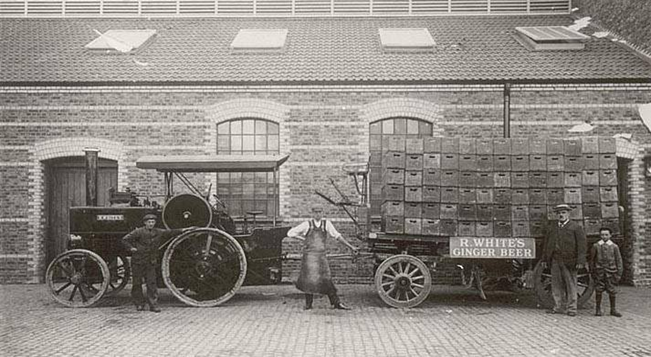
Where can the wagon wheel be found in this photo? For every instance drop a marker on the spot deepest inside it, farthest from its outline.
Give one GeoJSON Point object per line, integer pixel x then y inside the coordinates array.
{"type": "Point", "coordinates": [204, 267]}
{"type": "Point", "coordinates": [77, 278]}
{"type": "Point", "coordinates": [120, 271]}
{"type": "Point", "coordinates": [403, 281]}
{"type": "Point", "coordinates": [543, 286]}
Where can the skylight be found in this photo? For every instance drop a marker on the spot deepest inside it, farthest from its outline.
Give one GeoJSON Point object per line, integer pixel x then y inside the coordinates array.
{"type": "Point", "coordinates": [121, 41]}
{"type": "Point", "coordinates": [259, 40]}
{"type": "Point", "coordinates": [406, 39]}
{"type": "Point", "coordinates": [550, 38]}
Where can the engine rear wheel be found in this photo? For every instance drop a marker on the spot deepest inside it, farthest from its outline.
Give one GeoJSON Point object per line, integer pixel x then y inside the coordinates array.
{"type": "Point", "coordinates": [77, 278]}
{"type": "Point", "coordinates": [204, 267]}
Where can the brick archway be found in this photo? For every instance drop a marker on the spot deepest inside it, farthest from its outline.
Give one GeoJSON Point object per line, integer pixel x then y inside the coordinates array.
{"type": "Point", "coordinates": [52, 149]}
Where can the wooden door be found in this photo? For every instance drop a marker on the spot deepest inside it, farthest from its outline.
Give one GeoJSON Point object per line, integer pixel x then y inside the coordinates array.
{"type": "Point", "coordinates": [66, 187]}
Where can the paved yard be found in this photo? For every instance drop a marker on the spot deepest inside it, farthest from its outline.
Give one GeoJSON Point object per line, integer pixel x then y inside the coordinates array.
{"type": "Point", "coordinates": [269, 321]}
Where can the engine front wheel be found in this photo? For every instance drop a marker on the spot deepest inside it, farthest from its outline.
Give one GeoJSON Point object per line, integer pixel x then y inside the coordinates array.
{"type": "Point", "coordinates": [77, 278]}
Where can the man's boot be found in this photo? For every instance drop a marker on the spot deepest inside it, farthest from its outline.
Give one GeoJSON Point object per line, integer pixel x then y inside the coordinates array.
{"type": "Point", "coordinates": [598, 305]}
{"type": "Point", "coordinates": [336, 302]}
{"type": "Point", "coordinates": [613, 306]}
{"type": "Point", "coordinates": [309, 299]}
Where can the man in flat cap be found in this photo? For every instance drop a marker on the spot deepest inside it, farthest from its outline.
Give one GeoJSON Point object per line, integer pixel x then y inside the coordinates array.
{"type": "Point", "coordinates": [565, 249]}
{"type": "Point", "coordinates": [143, 243]}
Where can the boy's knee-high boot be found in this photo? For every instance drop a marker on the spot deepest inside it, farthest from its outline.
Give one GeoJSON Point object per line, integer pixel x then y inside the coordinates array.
{"type": "Point", "coordinates": [598, 305]}
{"type": "Point", "coordinates": [613, 306]}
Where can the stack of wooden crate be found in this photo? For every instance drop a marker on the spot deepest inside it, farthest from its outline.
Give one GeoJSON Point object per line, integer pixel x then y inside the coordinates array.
{"type": "Point", "coordinates": [496, 187]}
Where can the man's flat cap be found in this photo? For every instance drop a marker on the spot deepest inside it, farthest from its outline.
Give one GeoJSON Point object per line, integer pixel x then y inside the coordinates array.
{"type": "Point", "coordinates": [562, 207]}
{"type": "Point", "coordinates": [149, 216]}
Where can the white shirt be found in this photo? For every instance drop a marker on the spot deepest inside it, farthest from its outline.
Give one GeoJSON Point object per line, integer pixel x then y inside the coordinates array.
{"type": "Point", "coordinates": [302, 229]}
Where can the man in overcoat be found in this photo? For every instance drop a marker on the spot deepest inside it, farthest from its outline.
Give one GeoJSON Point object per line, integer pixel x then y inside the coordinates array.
{"type": "Point", "coordinates": [315, 277]}
{"type": "Point", "coordinates": [143, 243]}
{"type": "Point", "coordinates": [565, 251]}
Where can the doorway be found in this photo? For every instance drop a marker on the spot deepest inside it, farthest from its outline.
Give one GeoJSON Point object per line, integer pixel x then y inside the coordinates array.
{"type": "Point", "coordinates": [65, 182]}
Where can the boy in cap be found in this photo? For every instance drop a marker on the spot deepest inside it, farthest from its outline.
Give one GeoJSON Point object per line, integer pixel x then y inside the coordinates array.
{"type": "Point", "coordinates": [143, 243]}
{"type": "Point", "coordinates": [315, 276]}
{"type": "Point", "coordinates": [606, 267]}
{"type": "Point", "coordinates": [565, 251]}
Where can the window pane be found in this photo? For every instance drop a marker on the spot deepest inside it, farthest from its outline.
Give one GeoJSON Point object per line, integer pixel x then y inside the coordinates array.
{"type": "Point", "coordinates": [424, 128]}
{"type": "Point", "coordinates": [261, 144]}
{"type": "Point", "coordinates": [412, 127]}
{"type": "Point", "coordinates": [247, 143]}
{"type": "Point", "coordinates": [248, 177]}
{"type": "Point", "coordinates": [236, 127]}
{"type": "Point", "coordinates": [223, 128]}
{"type": "Point", "coordinates": [247, 206]}
{"type": "Point", "coordinates": [376, 128]}
{"type": "Point", "coordinates": [248, 127]}
{"type": "Point", "coordinates": [260, 191]}
{"type": "Point", "coordinates": [236, 144]}
{"type": "Point", "coordinates": [376, 143]}
{"type": "Point", "coordinates": [387, 127]}
{"type": "Point", "coordinates": [247, 190]}
{"type": "Point", "coordinates": [272, 144]}
{"type": "Point", "coordinates": [272, 128]}
{"type": "Point", "coordinates": [260, 177]}
{"type": "Point", "coordinates": [260, 127]}
{"type": "Point", "coordinates": [401, 126]}
{"type": "Point", "coordinates": [223, 144]}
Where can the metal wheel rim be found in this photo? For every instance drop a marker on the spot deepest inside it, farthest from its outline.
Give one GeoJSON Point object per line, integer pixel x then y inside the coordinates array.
{"type": "Point", "coordinates": [69, 280]}
{"type": "Point", "coordinates": [403, 281]}
{"type": "Point", "coordinates": [543, 286]}
{"type": "Point", "coordinates": [120, 271]}
{"type": "Point", "coordinates": [202, 272]}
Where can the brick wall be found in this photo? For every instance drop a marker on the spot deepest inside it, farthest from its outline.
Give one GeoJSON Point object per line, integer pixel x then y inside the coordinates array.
{"type": "Point", "coordinates": [322, 128]}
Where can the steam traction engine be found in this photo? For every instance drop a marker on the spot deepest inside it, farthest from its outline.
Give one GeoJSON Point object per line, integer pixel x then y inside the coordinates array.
{"type": "Point", "coordinates": [203, 266]}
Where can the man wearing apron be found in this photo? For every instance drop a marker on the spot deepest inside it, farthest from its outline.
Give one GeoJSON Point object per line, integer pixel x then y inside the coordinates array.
{"type": "Point", "coordinates": [315, 275]}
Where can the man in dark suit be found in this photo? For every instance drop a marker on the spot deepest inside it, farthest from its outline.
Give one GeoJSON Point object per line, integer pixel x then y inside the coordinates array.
{"type": "Point", "coordinates": [565, 250]}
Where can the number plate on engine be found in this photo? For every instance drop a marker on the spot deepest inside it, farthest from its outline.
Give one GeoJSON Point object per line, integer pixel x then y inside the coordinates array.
{"type": "Point", "coordinates": [110, 217]}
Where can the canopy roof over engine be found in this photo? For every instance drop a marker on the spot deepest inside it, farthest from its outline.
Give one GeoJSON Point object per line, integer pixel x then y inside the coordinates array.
{"type": "Point", "coordinates": [212, 163]}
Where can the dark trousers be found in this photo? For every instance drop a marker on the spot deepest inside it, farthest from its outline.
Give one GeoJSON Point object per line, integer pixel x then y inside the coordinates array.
{"type": "Point", "coordinates": [333, 297]}
{"type": "Point", "coordinates": [146, 272]}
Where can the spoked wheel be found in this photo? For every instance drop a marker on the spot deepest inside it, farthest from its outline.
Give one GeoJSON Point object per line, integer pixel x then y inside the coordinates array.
{"type": "Point", "coordinates": [543, 286]}
{"type": "Point", "coordinates": [120, 271]}
{"type": "Point", "coordinates": [204, 267]}
{"type": "Point", "coordinates": [403, 281]}
{"type": "Point", "coordinates": [77, 278]}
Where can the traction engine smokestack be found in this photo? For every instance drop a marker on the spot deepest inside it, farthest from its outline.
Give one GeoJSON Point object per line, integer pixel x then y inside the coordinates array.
{"type": "Point", "coordinates": [91, 176]}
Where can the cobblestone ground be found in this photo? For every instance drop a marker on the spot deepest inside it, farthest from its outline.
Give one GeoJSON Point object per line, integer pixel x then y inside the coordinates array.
{"type": "Point", "coordinates": [269, 321]}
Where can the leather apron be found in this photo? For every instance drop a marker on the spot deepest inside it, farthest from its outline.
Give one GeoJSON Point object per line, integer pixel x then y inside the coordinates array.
{"type": "Point", "coordinates": [315, 275]}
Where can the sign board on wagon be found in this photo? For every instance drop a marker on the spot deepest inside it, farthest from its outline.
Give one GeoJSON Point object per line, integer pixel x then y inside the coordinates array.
{"type": "Point", "coordinates": [492, 248]}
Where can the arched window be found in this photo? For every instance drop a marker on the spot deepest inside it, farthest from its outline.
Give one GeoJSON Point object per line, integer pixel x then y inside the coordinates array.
{"type": "Point", "coordinates": [380, 131]}
{"type": "Point", "coordinates": [247, 191]}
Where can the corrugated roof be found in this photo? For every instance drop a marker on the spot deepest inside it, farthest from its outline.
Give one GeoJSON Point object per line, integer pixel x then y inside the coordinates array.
{"type": "Point", "coordinates": [318, 50]}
